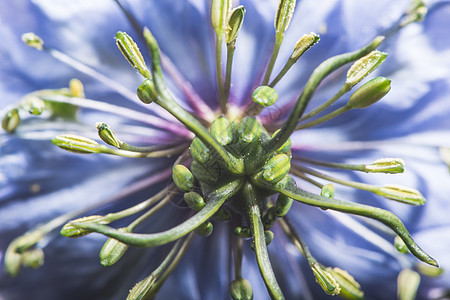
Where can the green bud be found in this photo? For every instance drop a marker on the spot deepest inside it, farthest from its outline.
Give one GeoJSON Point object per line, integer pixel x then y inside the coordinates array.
{"type": "Point", "coordinates": [328, 191]}
{"type": "Point", "coordinates": [386, 165]}
{"type": "Point", "coordinates": [146, 92]}
{"type": "Point", "coordinates": [350, 288]}
{"type": "Point", "coordinates": [286, 147]}
{"type": "Point", "coordinates": [183, 178]}
{"type": "Point", "coordinates": [364, 66]}
{"type": "Point", "coordinates": [11, 120]}
{"type": "Point", "coordinates": [268, 237]}
{"type": "Point", "coordinates": [303, 45]}
{"type": "Point", "coordinates": [32, 40]}
{"type": "Point", "coordinates": [194, 201]}
{"type": "Point", "coordinates": [234, 24]}
{"type": "Point", "coordinates": [112, 251]}
{"type": "Point", "coordinates": [72, 231]}
{"type": "Point", "coordinates": [12, 261]}
{"type": "Point", "coordinates": [76, 88]}
{"type": "Point", "coordinates": [28, 240]}
{"type": "Point", "coordinates": [407, 284]}
{"type": "Point", "coordinates": [265, 96]}
{"type": "Point", "coordinates": [276, 168]}
{"type": "Point", "coordinates": [402, 194]}
{"type": "Point", "coordinates": [222, 215]}
{"type": "Point", "coordinates": [204, 174]}
{"type": "Point", "coordinates": [222, 129]}
{"type": "Point", "coordinates": [199, 151]}
{"type": "Point", "coordinates": [241, 289]}
{"type": "Point", "coordinates": [283, 205]}
{"type": "Point", "coordinates": [33, 258]}
{"type": "Point", "coordinates": [416, 12]}
{"type": "Point", "coordinates": [249, 130]}
{"type": "Point", "coordinates": [205, 229]}
{"type": "Point", "coordinates": [326, 281]}
{"type": "Point", "coordinates": [77, 144]}
{"type": "Point", "coordinates": [242, 232]}
{"type": "Point", "coordinates": [427, 270]}
{"type": "Point", "coordinates": [217, 15]}
{"type": "Point", "coordinates": [34, 105]}
{"type": "Point", "coordinates": [369, 93]}
{"type": "Point", "coordinates": [400, 245]}
{"type": "Point", "coordinates": [284, 14]}
{"type": "Point", "coordinates": [132, 53]}
{"type": "Point", "coordinates": [107, 135]}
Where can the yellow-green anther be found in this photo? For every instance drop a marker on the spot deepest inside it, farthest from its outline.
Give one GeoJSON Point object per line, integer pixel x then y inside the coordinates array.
{"type": "Point", "coordinates": [28, 240]}
{"type": "Point", "coordinates": [194, 201]}
{"type": "Point", "coordinates": [205, 229]}
{"type": "Point", "coordinates": [11, 120]}
{"type": "Point", "coordinates": [33, 258]}
{"type": "Point", "coordinates": [71, 231]}
{"type": "Point", "coordinates": [141, 288]}
{"type": "Point", "coordinates": [284, 14]}
{"type": "Point", "coordinates": [328, 191]}
{"type": "Point", "coordinates": [146, 92]}
{"type": "Point", "coordinates": [76, 88]}
{"type": "Point", "coordinates": [132, 53]}
{"type": "Point", "coordinates": [286, 147]}
{"type": "Point", "coordinates": [326, 281]}
{"type": "Point", "coordinates": [242, 232]}
{"type": "Point", "coordinates": [407, 284]}
{"type": "Point", "coordinates": [34, 105]}
{"type": "Point", "coordinates": [107, 135]}
{"type": "Point", "coordinates": [12, 261]}
{"type": "Point", "coordinates": [112, 251]}
{"type": "Point", "coordinates": [234, 24]}
{"type": "Point", "coordinates": [217, 15]}
{"type": "Point", "coordinates": [265, 96]}
{"type": "Point", "coordinates": [77, 144]}
{"type": "Point", "coordinates": [183, 178]}
{"type": "Point", "coordinates": [402, 194]}
{"type": "Point", "coordinates": [350, 288]}
{"type": "Point", "coordinates": [416, 12]}
{"type": "Point", "coordinates": [283, 205]}
{"type": "Point", "coordinates": [276, 168]}
{"type": "Point", "coordinates": [222, 129]}
{"type": "Point", "coordinates": [249, 130]}
{"type": "Point", "coordinates": [400, 245]}
{"type": "Point", "coordinates": [199, 151]}
{"type": "Point", "coordinates": [364, 66]}
{"type": "Point", "coordinates": [268, 236]}
{"type": "Point", "coordinates": [32, 40]}
{"type": "Point", "coordinates": [303, 44]}
{"type": "Point", "coordinates": [428, 270]}
{"type": "Point", "coordinates": [369, 93]}
{"type": "Point", "coordinates": [386, 165]}
{"type": "Point", "coordinates": [241, 289]}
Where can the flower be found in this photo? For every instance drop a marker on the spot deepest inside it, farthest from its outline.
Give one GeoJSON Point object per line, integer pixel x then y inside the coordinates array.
{"type": "Point", "coordinates": [41, 182]}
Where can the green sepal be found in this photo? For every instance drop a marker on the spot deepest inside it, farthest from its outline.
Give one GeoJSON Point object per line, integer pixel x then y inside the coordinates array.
{"type": "Point", "coordinates": [265, 96]}
{"type": "Point", "coordinates": [222, 129]}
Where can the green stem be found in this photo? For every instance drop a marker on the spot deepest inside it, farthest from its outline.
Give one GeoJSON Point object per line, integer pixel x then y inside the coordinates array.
{"type": "Point", "coordinates": [323, 119]}
{"type": "Point", "coordinates": [222, 99]}
{"type": "Point", "coordinates": [215, 201]}
{"type": "Point", "coordinates": [262, 255]}
{"type": "Point", "coordinates": [288, 188]}
{"type": "Point", "coordinates": [323, 70]}
{"type": "Point", "coordinates": [332, 165]}
{"type": "Point", "coordinates": [276, 48]}
{"type": "Point", "coordinates": [230, 53]}
{"type": "Point", "coordinates": [166, 101]}
{"type": "Point", "coordinates": [345, 89]}
{"type": "Point", "coordinates": [130, 153]}
{"type": "Point", "coordinates": [283, 72]}
{"type": "Point", "coordinates": [237, 258]}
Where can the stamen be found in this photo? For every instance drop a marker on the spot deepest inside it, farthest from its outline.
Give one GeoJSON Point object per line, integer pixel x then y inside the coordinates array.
{"type": "Point", "coordinates": [259, 241]}
{"type": "Point", "coordinates": [217, 20]}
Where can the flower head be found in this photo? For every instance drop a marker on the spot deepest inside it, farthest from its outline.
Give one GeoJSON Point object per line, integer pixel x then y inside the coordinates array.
{"type": "Point", "coordinates": [236, 156]}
